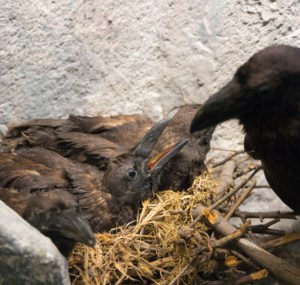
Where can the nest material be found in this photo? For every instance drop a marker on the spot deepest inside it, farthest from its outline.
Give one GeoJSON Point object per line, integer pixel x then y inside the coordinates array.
{"type": "Point", "coordinates": [167, 246]}
{"type": "Point", "coordinates": [156, 248]}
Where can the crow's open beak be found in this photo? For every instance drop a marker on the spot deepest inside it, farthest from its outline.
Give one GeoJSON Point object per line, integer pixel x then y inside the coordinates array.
{"type": "Point", "coordinates": [222, 106]}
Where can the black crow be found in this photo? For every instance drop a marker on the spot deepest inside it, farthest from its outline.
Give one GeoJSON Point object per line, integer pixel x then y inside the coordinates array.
{"type": "Point", "coordinates": [264, 95]}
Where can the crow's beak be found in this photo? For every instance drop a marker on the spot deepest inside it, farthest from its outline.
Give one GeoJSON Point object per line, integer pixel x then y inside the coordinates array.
{"type": "Point", "coordinates": [222, 106]}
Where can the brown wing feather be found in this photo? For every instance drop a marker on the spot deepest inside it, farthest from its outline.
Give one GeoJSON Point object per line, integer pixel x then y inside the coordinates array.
{"type": "Point", "coordinates": [86, 147]}
{"type": "Point", "coordinates": [14, 199]}
{"type": "Point", "coordinates": [24, 174]}
{"type": "Point", "coordinates": [126, 130]}
{"type": "Point", "coordinates": [16, 128]}
{"type": "Point", "coordinates": [87, 139]}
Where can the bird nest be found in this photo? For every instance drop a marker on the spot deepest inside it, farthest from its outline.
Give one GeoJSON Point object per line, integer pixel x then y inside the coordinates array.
{"type": "Point", "coordinates": [156, 248]}
{"type": "Point", "coordinates": [170, 244]}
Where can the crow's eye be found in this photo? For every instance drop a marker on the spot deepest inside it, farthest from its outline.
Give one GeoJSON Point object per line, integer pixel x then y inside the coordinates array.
{"type": "Point", "coordinates": [132, 174]}
{"type": "Point", "coordinates": [265, 89]}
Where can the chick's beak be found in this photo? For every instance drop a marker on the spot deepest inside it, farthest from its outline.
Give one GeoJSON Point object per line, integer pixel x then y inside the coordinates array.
{"type": "Point", "coordinates": [75, 228]}
{"type": "Point", "coordinates": [144, 148]}
{"type": "Point", "coordinates": [156, 163]}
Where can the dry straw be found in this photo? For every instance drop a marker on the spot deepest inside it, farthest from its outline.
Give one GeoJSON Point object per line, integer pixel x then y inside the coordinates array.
{"type": "Point", "coordinates": [156, 248]}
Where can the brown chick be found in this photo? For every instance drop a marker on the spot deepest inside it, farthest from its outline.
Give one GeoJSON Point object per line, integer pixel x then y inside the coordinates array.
{"type": "Point", "coordinates": [54, 213]}
{"type": "Point", "coordinates": [81, 138]}
{"type": "Point", "coordinates": [107, 198]}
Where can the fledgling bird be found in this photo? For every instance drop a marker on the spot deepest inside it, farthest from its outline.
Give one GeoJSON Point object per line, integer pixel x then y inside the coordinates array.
{"type": "Point", "coordinates": [125, 130]}
{"type": "Point", "coordinates": [264, 95]}
{"type": "Point", "coordinates": [106, 199]}
{"type": "Point", "coordinates": [54, 213]}
{"type": "Point", "coordinates": [81, 137]}
{"type": "Point", "coordinates": [182, 169]}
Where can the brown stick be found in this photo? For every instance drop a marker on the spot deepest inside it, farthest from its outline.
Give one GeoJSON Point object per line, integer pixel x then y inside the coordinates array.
{"type": "Point", "coordinates": [227, 158]}
{"type": "Point", "coordinates": [265, 215]}
{"type": "Point", "coordinates": [226, 179]}
{"type": "Point", "coordinates": [264, 228]}
{"type": "Point", "coordinates": [281, 240]}
{"type": "Point", "coordinates": [238, 233]}
{"type": "Point", "coordinates": [225, 149]}
{"type": "Point", "coordinates": [262, 186]}
{"type": "Point", "coordinates": [224, 198]}
{"type": "Point", "coordinates": [240, 200]}
{"type": "Point", "coordinates": [281, 269]}
{"type": "Point", "coordinates": [251, 278]}
{"type": "Point", "coordinates": [236, 189]}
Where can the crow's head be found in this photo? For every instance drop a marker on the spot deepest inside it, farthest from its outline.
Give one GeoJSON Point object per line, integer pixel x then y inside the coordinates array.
{"type": "Point", "coordinates": [265, 87]}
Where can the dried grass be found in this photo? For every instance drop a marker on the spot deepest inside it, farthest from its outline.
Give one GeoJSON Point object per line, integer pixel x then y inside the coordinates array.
{"type": "Point", "coordinates": [156, 248]}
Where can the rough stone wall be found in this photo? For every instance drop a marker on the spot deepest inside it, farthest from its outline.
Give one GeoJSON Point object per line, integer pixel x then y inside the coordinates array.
{"type": "Point", "coordinates": [28, 257]}
{"type": "Point", "coordinates": [111, 57]}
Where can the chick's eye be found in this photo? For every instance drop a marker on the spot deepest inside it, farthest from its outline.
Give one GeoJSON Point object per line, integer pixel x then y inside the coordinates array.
{"type": "Point", "coordinates": [131, 174]}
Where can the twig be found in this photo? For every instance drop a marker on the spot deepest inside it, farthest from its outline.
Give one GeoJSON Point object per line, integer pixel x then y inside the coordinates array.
{"type": "Point", "coordinates": [236, 189]}
{"type": "Point", "coordinates": [225, 149]}
{"type": "Point", "coordinates": [265, 231]}
{"type": "Point", "coordinates": [238, 233]}
{"type": "Point", "coordinates": [253, 277]}
{"type": "Point", "coordinates": [281, 269]}
{"type": "Point", "coordinates": [281, 240]}
{"type": "Point", "coordinates": [271, 223]}
{"type": "Point", "coordinates": [264, 228]}
{"type": "Point", "coordinates": [265, 215]}
{"type": "Point", "coordinates": [227, 196]}
{"type": "Point", "coordinates": [225, 180]}
{"type": "Point", "coordinates": [240, 200]}
{"type": "Point", "coordinates": [227, 158]}
{"type": "Point", "coordinates": [245, 171]}
{"type": "Point", "coordinates": [218, 243]}
{"type": "Point", "coordinates": [262, 186]}
{"type": "Point", "coordinates": [250, 278]}
{"type": "Point", "coordinates": [244, 259]}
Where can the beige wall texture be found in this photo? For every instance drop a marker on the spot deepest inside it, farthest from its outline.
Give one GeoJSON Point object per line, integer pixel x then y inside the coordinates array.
{"type": "Point", "coordinates": [114, 56]}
